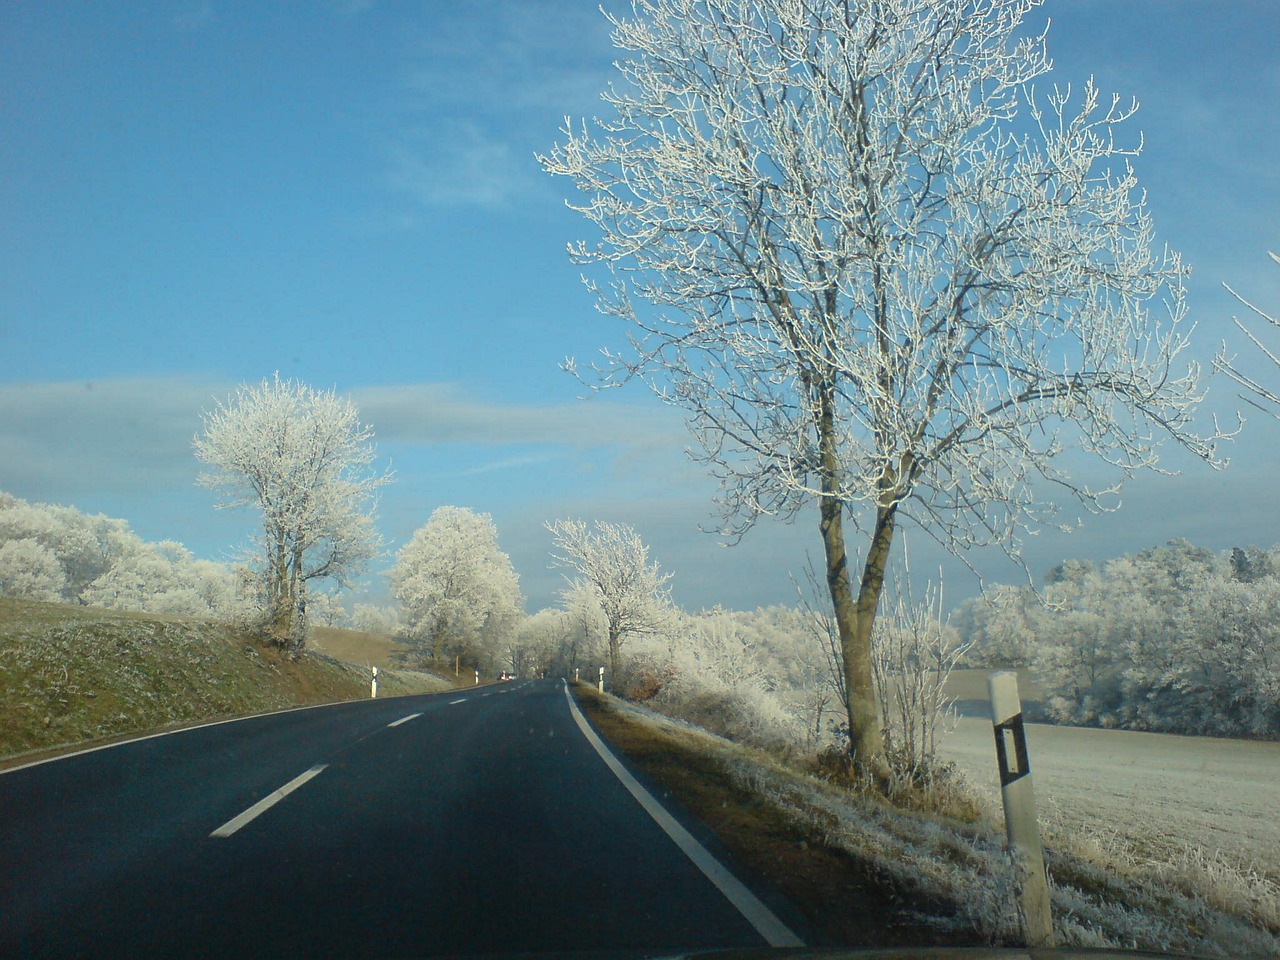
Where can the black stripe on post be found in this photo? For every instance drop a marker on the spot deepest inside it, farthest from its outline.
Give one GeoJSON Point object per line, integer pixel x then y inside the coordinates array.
{"type": "Point", "coordinates": [1011, 732]}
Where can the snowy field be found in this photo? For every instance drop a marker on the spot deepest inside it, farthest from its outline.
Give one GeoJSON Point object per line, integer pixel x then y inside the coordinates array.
{"type": "Point", "coordinates": [1155, 793]}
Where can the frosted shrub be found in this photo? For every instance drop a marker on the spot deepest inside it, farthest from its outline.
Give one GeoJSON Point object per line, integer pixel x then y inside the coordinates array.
{"type": "Point", "coordinates": [708, 671]}
{"type": "Point", "coordinates": [913, 654]}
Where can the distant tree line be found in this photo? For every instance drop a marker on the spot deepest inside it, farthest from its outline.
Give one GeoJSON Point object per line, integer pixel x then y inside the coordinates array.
{"type": "Point", "coordinates": [57, 553]}
{"type": "Point", "coordinates": [1173, 639]}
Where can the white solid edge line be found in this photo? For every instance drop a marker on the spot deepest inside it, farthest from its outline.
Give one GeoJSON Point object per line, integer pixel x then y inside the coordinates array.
{"type": "Point", "coordinates": [266, 803]}
{"type": "Point", "coordinates": [396, 723]}
{"type": "Point", "coordinates": [775, 932]}
{"type": "Point", "coordinates": [169, 733]}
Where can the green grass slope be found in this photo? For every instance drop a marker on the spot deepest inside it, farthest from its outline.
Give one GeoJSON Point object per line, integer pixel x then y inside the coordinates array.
{"type": "Point", "coordinates": [72, 674]}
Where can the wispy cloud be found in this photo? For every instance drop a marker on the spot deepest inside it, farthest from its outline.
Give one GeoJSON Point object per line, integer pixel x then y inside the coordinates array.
{"type": "Point", "coordinates": [350, 8]}
{"type": "Point", "coordinates": [60, 439]}
{"type": "Point", "coordinates": [444, 413]}
{"type": "Point", "coordinates": [458, 162]}
{"type": "Point", "coordinates": [476, 105]}
{"type": "Point", "coordinates": [192, 15]}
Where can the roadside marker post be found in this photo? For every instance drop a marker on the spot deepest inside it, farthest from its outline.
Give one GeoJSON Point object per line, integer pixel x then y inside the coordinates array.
{"type": "Point", "coordinates": [477, 678]}
{"type": "Point", "coordinates": [1020, 808]}
{"type": "Point", "coordinates": [602, 679]}
{"type": "Point", "coordinates": [373, 686]}
{"type": "Point", "coordinates": [575, 674]}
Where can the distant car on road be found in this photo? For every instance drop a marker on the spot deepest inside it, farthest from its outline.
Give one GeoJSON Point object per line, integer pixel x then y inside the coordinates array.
{"type": "Point", "coordinates": [506, 675]}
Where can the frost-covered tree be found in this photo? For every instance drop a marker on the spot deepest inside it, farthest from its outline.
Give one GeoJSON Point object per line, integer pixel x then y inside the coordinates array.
{"type": "Point", "coordinates": [880, 273]}
{"type": "Point", "coordinates": [325, 607]}
{"type": "Point", "coordinates": [85, 546]}
{"type": "Point", "coordinates": [586, 633]}
{"type": "Point", "coordinates": [1222, 675]}
{"type": "Point", "coordinates": [542, 644]}
{"type": "Point", "coordinates": [99, 561]}
{"type": "Point", "coordinates": [1173, 638]}
{"type": "Point", "coordinates": [611, 563]}
{"type": "Point", "coordinates": [374, 619]}
{"type": "Point", "coordinates": [456, 589]}
{"type": "Point", "coordinates": [302, 457]}
{"type": "Point", "coordinates": [1266, 398]}
{"type": "Point", "coordinates": [30, 571]}
{"type": "Point", "coordinates": [164, 578]}
{"type": "Point", "coordinates": [995, 625]}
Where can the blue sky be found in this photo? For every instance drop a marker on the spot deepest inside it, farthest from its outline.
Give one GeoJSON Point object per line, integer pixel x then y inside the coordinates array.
{"type": "Point", "coordinates": [198, 194]}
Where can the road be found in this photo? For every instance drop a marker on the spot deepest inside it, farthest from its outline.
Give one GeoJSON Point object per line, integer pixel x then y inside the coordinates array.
{"type": "Point", "coordinates": [470, 822]}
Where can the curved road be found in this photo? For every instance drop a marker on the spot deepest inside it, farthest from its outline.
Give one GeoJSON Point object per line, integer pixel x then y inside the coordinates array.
{"type": "Point", "coordinates": [471, 822]}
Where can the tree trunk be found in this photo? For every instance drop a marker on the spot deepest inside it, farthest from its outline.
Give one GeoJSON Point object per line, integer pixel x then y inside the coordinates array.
{"type": "Point", "coordinates": [280, 596]}
{"type": "Point", "coordinates": [614, 646]}
{"type": "Point", "coordinates": [854, 621]}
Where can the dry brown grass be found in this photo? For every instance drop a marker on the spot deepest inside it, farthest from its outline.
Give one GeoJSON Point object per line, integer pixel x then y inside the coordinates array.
{"type": "Point", "coordinates": [356, 646]}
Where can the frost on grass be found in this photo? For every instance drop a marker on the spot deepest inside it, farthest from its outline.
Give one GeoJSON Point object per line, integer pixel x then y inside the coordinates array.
{"type": "Point", "coordinates": [1102, 894]}
{"type": "Point", "coordinates": [69, 674]}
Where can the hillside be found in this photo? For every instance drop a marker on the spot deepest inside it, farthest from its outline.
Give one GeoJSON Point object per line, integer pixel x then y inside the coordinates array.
{"type": "Point", "coordinates": [356, 646]}
{"type": "Point", "coordinates": [71, 674]}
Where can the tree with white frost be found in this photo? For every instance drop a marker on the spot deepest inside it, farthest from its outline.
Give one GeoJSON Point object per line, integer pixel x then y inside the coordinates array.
{"type": "Point", "coordinates": [30, 571]}
{"type": "Point", "coordinates": [371, 618]}
{"type": "Point", "coordinates": [881, 273]}
{"type": "Point", "coordinates": [303, 458]}
{"type": "Point", "coordinates": [455, 588]}
{"type": "Point", "coordinates": [1260, 395]}
{"type": "Point", "coordinates": [164, 578]}
{"type": "Point", "coordinates": [612, 565]}
{"type": "Point", "coordinates": [327, 609]}
{"type": "Point", "coordinates": [85, 547]}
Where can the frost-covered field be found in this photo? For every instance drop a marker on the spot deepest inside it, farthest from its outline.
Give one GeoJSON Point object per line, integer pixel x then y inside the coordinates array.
{"type": "Point", "coordinates": [1157, 793]}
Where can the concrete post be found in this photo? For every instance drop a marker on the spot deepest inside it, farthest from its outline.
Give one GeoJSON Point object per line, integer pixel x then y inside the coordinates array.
{"type": "Point", "coordinates": [1020, 808]}
{"type": "Point", "coordinates": [373, 686]}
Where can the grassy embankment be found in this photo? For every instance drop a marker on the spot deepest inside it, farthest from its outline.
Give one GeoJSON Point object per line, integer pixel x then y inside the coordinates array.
{"type": "Point", "coordinates": [870, 874]}
{"type": "Point", "coordinates": [78, 675]}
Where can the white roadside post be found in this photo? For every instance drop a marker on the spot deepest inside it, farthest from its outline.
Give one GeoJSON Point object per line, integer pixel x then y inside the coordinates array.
{"type": "Point", "coordinates": [575, 675]}
{"type": "Point", "coordinates": [373, 686]}
{"type": "Point", "coordinates": [1020, 808]}
{"type": "Point", "coordinates": [477, 678]}
{"type": "Point", "coordinates": [602, 679]}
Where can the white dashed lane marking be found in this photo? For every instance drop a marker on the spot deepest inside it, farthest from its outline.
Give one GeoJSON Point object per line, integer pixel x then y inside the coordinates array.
{"type": "Point", "coordinates": [267, 802]}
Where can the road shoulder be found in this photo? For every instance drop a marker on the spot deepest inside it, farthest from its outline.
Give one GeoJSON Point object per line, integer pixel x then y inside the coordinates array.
{"type": "Point", "coordinates": [839, 899]}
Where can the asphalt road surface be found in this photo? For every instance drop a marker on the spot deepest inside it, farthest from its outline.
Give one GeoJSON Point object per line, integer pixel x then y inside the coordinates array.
{"type": "Point", "coordinates": [465, 823]}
